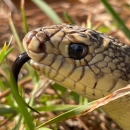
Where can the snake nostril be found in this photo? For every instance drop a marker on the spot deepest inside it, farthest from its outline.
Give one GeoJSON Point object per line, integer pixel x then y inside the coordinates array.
{"type": "Point", "coordinates": [30, 36]}
{"type": "Point", "coordinates": [42, 47]}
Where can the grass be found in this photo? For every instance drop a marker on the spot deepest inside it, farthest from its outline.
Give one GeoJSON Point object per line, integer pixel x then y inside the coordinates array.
{"type": "Point", "coordinates": [117, 18]}
{"type": "Point", "coordinates": [14, 108]}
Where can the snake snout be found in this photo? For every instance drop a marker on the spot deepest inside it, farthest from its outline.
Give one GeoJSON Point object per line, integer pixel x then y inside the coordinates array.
{"type": "Point", "coordinates": [34, 41]}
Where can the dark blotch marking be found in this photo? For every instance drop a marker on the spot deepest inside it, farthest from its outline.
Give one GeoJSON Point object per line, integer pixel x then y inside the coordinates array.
{"type": "Point", "coordinates": [83, 35]}
{"type": "Point", "coordinates": [94, 34]}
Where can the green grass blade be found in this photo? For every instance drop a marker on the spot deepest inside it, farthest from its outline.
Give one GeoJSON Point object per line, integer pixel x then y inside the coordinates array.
{"type": "Point", "coordinates": [5, 51]}
{"type": "Point", "coordinates": [8, 98]}
{"type": "Point", "coordinates": [8, 51]}
{"type": "Point", "coordinates": [16, 35]}
{"type": "Point", "coordinates": [48, 11]}
{"type": "Point", "coordinates": [116, 17]}
{"type": "Point", "coordinates": [17, 39]}
{"type": "Point", "coordinates": [4, 110]}
{"type": "Point", "coordinates": [69, 114]}
{"type": "Point", "coordinates": [2, 53]}
{"type": "Point", "coordinates": [21, 104]}
{"type": "Point", "coordinates": [26, 29]}
{"type": "Point", "coordinates": [55, 108]}
{"type": "Point", "coordinates": [68, 18]}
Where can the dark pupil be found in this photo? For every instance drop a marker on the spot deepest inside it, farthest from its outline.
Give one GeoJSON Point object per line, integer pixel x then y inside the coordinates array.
{"type": "Point", "coordinates": [78, 51]}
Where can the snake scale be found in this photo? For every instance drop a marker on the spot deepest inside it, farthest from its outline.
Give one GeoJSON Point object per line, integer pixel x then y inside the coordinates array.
{"type": "Point", "coordinates": [85, 61]}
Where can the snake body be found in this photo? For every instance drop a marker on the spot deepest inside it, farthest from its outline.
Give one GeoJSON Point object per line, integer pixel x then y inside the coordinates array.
{"type": "Point", "coordinates": [85, 61]}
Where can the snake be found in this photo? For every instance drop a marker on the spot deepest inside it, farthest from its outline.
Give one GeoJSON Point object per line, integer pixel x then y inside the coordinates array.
{"type": "Point", "coordinates": [83, 60]}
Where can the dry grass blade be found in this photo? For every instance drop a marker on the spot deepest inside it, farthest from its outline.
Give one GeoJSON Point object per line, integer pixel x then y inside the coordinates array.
{"type": "Point", "coordinates": [111, 97]}
{"type": "Point", "coordinates": [89, 107]}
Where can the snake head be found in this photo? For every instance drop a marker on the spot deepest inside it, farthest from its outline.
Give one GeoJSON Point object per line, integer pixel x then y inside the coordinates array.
{"type": "Point", "coordinates": [80, 59]}
{"type": "Point", "coordinates": [83, 60]}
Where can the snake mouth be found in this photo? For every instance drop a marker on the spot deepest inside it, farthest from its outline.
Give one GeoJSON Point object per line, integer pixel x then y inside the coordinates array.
{"type": "Point", "coordinates": [19, 62]}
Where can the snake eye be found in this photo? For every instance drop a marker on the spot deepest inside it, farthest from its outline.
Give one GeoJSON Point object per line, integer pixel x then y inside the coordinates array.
{"type": "Point", "coordinates": [78, 51]}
